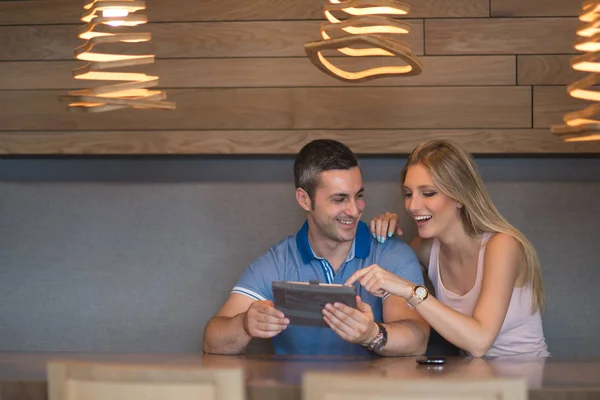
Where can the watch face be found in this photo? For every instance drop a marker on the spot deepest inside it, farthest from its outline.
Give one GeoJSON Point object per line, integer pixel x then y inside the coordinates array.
{"type": "Point", "coordinates": [420, 292]}
{"type": "Point", "coordinates": [381, 345]}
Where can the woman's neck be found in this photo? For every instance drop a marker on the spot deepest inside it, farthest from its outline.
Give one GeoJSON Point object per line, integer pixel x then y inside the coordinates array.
{"type": "Point", "coordinates": [457, 246]}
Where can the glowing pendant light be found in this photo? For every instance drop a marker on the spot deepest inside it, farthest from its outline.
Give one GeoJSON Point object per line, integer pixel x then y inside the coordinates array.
{"type": "Point", "coordinates": [364, 28]}
{"type": "Point", "coordinates": [130, 89]}
{"type": "Point", "coordinates": [584, 125]}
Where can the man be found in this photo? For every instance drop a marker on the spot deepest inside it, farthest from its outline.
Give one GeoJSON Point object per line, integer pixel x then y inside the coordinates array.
{"type": "Point", "coordinates": [331, 245]}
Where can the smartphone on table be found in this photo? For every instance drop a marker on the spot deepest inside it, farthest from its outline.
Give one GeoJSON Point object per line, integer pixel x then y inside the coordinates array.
{"type": "Point", "coordinates": [424, 360]}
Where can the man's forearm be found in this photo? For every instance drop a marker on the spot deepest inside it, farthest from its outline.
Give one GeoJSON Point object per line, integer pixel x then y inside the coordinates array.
{"type": "Point", "coordinates": [405, 338]}
{"type": "Point", "coordinates": [225, 335]}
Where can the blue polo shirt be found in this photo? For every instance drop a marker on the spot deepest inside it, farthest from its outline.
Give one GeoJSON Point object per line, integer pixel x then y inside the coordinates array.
{"type": "Point", "coordinates": [293, 260]}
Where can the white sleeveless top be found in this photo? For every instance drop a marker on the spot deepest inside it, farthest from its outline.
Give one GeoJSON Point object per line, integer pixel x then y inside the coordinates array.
{"type": "Point", "coordinates": [521, 331]}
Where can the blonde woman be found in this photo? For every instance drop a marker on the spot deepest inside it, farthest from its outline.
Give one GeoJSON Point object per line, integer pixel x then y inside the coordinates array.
{"type": "Point", "coordinates": [485, 273]}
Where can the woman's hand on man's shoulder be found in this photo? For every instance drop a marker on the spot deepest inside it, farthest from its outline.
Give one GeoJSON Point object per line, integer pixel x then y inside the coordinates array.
{"type": "Point", "coordinates": [385, 226]}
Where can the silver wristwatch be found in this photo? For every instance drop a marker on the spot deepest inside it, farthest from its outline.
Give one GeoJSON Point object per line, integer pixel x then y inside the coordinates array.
{"type": "Point", "coordinates": [378, 343]}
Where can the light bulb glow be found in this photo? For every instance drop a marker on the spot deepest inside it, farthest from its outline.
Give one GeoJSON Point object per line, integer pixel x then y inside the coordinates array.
{"type": "Point", "coordinates": [115, 12]}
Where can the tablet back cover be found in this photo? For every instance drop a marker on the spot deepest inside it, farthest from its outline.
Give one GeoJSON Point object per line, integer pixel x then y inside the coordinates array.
{"type": "Point", "coordinates": [303, 302]}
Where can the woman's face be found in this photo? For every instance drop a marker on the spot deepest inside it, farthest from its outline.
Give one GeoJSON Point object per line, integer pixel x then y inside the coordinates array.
{"type": "Point", "coordinates": [434, 212]}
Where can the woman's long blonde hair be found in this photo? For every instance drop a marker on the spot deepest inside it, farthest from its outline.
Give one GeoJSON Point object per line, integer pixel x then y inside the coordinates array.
{"type": "Point", "coordinates": [454, 172]}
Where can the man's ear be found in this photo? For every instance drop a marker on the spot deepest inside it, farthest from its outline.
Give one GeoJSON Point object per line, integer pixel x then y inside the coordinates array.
{"type": "Point", "coordinates": [303, 199]}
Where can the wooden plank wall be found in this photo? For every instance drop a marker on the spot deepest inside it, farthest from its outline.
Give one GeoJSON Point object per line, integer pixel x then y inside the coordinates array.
{"type": "Point", "coordinates": [494, 81]}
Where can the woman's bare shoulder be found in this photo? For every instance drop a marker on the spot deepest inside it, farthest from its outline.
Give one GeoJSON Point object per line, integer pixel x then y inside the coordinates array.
{"type": "Point", "coordinates": [502, 242]}
{"type": "Point", "coordinates": [504, 252]}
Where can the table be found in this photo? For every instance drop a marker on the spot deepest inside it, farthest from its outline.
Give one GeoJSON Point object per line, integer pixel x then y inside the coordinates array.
{"type": "Point", "coordinates": [273, 377]}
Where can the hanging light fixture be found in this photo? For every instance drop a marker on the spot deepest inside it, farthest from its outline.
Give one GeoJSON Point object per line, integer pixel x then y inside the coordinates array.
{"type": "Point", "coordinates": [584, 125]}
{"type": "Point", "coordinates": [364, 28]}
{"type": "Point", "coordinates": [102, 17]}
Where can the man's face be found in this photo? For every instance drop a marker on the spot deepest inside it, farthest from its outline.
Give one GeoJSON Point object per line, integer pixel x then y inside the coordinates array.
{"type": "Point", "coordinates": [338, 204]}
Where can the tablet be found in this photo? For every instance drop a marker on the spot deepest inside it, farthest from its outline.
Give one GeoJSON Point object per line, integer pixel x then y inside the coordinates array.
{"type": "Point", "coordinates": [303, 302]}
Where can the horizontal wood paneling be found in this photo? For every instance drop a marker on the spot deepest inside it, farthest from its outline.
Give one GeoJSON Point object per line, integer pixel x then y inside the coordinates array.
{"type": "Point", "coordinates": [546, 70]}
{"type": "Point", "coordinates": [550, 103]}
{"type": "Point", "coordinates": [68, 11]}
{"type": "Point", "coordinates": [38, 43]}
{"type": "Point", "coordinates": [267, 72]}
{"type": "Point", "coordinates": [183, 40]}
{"type": "Point", "coordinates": [243, 85]}
{"type": "Point", "coordinates": [500, 36]}
{"type": "Point", "coordinates": [281, 108]}
{"type": "Point", "coordinates": [528, 141]}
{"type": "Point", "coordinates": [535, 8]}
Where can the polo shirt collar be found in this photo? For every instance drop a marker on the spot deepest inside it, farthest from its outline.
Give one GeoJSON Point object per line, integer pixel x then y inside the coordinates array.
{"type": "Point", "coordinates": [361, 246]}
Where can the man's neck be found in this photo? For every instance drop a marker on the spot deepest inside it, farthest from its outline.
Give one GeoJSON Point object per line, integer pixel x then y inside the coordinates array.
{"type": "Point", "coordinates": [333, 251]}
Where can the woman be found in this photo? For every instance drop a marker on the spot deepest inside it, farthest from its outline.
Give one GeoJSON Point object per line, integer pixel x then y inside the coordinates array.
{"type": "Point", "coordinates": [485, 273]}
